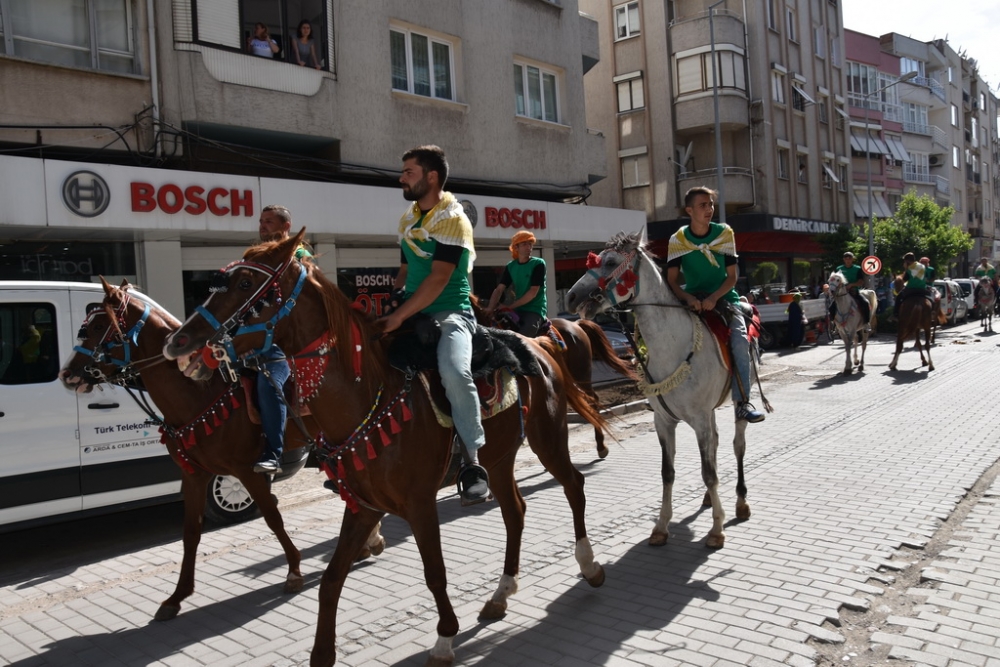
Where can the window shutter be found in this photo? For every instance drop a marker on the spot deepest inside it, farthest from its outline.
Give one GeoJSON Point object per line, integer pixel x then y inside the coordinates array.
{"type": "Point", "coordinates": [219, 23]}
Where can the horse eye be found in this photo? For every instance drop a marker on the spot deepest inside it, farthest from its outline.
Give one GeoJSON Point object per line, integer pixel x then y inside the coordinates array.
{"type": "Point", "coordinates": [245, 284]}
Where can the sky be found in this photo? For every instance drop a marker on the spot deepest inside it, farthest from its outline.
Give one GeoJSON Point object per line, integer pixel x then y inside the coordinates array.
{"type": "Point", "coordinates": [969, 25]}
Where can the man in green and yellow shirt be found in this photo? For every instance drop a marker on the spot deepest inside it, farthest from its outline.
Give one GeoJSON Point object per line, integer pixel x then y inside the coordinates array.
{"type": "Point", "coordinates": [527, 275]}
{"type": "Point", "coordinates": [855, 278]}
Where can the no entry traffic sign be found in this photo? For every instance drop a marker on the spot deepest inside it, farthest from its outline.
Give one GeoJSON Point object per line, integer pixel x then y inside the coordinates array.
{"type": "Point", "coordinates": [871, 265]}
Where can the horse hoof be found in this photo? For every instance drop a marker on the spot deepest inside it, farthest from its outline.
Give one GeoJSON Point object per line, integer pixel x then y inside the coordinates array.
{"type": "Point", "coordinates": [439, 662]}
{"type": "Point", "coordinates": [603, 451]}
{"type": "Point", "coordinates": [706, 501]}
{"type": "Point", "coordinates": [377, 548]}
{"type": "Point", "coordinates": [597, 580]}
{"type": "Point", "coordinates": [364, 554]}
{"type": "Point", "coordinates": [294, 583]}
{"type": "Point", "coordinates": [715, 541]}
{"type": "Point", "coordinates": [493, 610]}
{"type": "Point", "coordinates": [658, 539]}
{"type": "Point", "coordinates": [742, 512]}
{"type": "Point", "coordinates": [167, 612]}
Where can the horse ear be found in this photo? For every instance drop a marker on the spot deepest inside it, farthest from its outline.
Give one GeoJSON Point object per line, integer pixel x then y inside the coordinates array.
{"type": "Point", "coordinates": [108, 288]}
{"type": "Point", "coordinates": [124, 285]}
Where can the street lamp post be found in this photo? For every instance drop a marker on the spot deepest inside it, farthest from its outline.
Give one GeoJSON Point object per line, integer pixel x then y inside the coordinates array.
{"type": "Point", "coordinates": [720, 180]}
{"type": "Point", "coordinates": [868, 161]}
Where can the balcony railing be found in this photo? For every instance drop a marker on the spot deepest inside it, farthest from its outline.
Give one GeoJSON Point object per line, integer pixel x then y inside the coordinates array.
{"type": "Point", "coordinates": [940, 136]}
{"type": "Point", "coordinates": [931, 84]}
{"type": "Point", "coordinates": [911, 175]}
{"type": "Point", "coordinates": [917, 128]}
{"type": "Point", "coordinates": [942, 184]}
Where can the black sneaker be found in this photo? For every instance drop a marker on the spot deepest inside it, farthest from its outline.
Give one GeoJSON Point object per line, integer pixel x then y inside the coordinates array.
{"type": "Point", "coordinates": [749, 413]}
{"type": "Point", "coordinates": [269, 466]}
{"type": "Point", "coordinates": [473, 484]}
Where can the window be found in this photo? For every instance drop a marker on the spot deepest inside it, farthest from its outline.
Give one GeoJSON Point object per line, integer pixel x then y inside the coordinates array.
{"type": "Point", "coordinates": [954, 115]}
{"type": "Point", "coordinates": [819, 41]}
{"type": "Point", "coordinates": [835, 51]}
{"type": "Point", "coordinates": [627, 20]}
{"type": "Point", "coordinates": [777, 87]}
{"type": "Point", "coordinates": [829, 176]}
{"type": "Point", "coordinates": [635, 171]}
{"type": "Point", "coordinates": [790, 25]}
{"type": "Point", "coordinates": [918, 169]}
{"type": "Point", "coordinates": [282, 18]}
{"type": "Point", "coordinates": [29, 351]}
{"type": "Point", "coordinates": [421, 65]}
{"type": "Point", "coordinates": [783, 163]}
{"type": "Point", "coordinates": [956, 157]}
{"type": "Point", "coordinates": [772, 14]}
{"type": "Point", "coordinates": [536, 93]}
{"type": "Point", "coordinates": [907, 65]}
{"type": "Point", "coordinates": [975, 133]}
{"type": "Point", "coordinates": [982, 101]}
{"type": "Point", "coordinates": [862, 80]}
{"type": "Point", "coordinates": [800, 98]}
{"type": "Point", "coordinates": [93, 35]}
{"type": "Point", "coordinates": [630, 95]}
{"type": "Point", "coordinates": [694, 73]}
{"type": "Point", "coordinates": [824, 109]}
{"type": "Point", "coordinates": [842, 175]}
{"type": "Point", "coordinates": [803, 172]}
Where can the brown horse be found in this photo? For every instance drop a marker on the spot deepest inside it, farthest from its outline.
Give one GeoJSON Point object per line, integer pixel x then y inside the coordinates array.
{"type": "Point", "coordinates": [207, 430]}
{"type": "Point", "coordinates": [585, 342]}
{"type": "Point", "coordinates": [916, 314]}
{"type": "Point", "coordinates": [389, 452]}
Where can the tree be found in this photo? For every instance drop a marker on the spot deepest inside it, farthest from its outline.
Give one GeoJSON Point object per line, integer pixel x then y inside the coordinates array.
{"type": "Point", "coordinates": [764, 273]}
{"type": "Point", "coordinates": [835, 244]}
{"type": "Point", "coordinates": [922, 227]}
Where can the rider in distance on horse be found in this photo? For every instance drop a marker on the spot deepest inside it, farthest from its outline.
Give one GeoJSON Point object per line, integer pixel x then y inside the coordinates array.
{"type": "Point", "coordinates": [855, 282]}
{"type": "Point", "coordinates": [527, 275]}
{"type": "Point", "coordinates": [706, 253]}
{"type": "Point", "coordinates": [275, 223]}
{"type": "Point", "coordinates": [437, 253]}
{"type": "Point", "coordinates": [915, 275]}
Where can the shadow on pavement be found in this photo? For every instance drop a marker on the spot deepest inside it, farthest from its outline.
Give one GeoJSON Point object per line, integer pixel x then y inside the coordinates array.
{"type": "Point", "coordinates": [908, 376]}
{"type": "Point", "coordinates": [836, 380]}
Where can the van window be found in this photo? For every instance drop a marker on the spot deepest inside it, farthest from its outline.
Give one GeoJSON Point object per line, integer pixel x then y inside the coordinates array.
{"type": "Point", "coordinates": [29, 351]}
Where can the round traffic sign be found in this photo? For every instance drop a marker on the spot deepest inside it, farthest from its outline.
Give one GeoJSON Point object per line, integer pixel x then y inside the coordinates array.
{"type": "Point", "coordinates": [871, 265]}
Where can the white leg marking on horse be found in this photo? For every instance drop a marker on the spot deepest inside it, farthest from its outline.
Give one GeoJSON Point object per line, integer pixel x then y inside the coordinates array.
{"type": "Point", "coordinates": [442, 649]}
{"type": "Point", "coordinates": [585, 558]}
{"type": "Point", "coordinates": [666, 511]}
{"type": "Point", "coordinates": [507, 587]}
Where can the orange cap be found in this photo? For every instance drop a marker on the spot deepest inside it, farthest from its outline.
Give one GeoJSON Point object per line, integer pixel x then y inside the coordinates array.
{"type": "Point", "coordinates": [520, 237]}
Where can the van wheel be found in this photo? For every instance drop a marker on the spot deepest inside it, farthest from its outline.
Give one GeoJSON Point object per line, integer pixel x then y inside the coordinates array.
{"type": "Point", "coordinates": [229, 502]}
{"type": "Point", "coordinates": [767, 339]}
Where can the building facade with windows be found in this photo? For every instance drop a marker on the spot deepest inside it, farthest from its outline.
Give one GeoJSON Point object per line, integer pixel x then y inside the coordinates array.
{"type": "Point", "coordinates": [177, 134]}
{"type": "Point", "coordinates": [777, 67]}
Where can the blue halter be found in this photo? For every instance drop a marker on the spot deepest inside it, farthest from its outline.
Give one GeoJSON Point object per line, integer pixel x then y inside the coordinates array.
{"type": "Point", "coordinates": [102, 351]}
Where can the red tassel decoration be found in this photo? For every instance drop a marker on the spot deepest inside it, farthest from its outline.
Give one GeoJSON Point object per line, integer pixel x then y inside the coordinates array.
{"type": "Point", "coordinates": [394, 426]}
{"type": "Point", "coordinates": [341, 474]}
{"type": "Point", "coordinates": [371, 450]}
{"type": "Point", "coordinates": [225, 411]}
{"type": "Point", "coordinates": [215, 420]}
{"type": "Point", "coordinates": [232, 399]}
{"type": "Point", "coordinates": [186, 466]}
{"type": "Point", "coordinates": [349, 501]}
{"type": "Point", "coordinates": [358, 463]}
{"type": "Point", "coordinates": [407, 415]}
{"type": "Point", "coordinates": [189, 441]}
{"type": "Point", "coordinates": [384, 436]}
{"type": "Point", "coordinates": [208, 429]}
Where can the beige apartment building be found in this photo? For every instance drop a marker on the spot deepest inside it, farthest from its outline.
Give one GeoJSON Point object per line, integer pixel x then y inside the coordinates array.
{"type": "Point", "coordinates": [146, 137]}
{"type": "Point", "coordinates": [783, 126]}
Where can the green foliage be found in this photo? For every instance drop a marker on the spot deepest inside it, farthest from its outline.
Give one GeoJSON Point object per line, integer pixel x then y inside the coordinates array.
{"type": "Point", "coordinates": [835, 244]}
{"type": "Point", "coordinates": [801, 272]}
{"type": "Point", "coordinates": [922, 227]}
{"type": "Point", "coordinates": [764, 273]}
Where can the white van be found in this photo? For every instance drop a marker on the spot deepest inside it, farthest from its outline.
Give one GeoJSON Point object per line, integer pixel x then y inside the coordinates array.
{"type": "Point", "coordinates": [64, 454]}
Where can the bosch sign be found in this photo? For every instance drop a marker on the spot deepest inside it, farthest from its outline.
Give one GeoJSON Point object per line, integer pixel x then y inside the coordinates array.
{"type": "Point", "coordinates": [193, 199]}
{"type": "Point", "coordinates": [516, 218]}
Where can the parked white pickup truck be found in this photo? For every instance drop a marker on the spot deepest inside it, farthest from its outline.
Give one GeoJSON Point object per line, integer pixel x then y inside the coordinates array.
{"type": "Point", "coordinates": [775, 319]}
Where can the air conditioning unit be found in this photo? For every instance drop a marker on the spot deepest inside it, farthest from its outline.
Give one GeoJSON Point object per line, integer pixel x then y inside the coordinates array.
{"type": "Point", "coordinates": [934, 160]}
{"type": "Point", "coordinates": [975, 231]}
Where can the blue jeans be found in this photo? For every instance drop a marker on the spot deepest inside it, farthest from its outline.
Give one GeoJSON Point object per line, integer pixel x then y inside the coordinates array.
{"type": "Point", "coordinates": [741, 357]}
{"type": "Point", "coordinates": [454, 353]}
{"type": "Point", "coordinates": [273, 412]}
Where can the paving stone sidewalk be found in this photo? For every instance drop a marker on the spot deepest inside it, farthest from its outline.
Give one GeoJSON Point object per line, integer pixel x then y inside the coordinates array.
{"type": "Point", "coordinates": [844, 474]}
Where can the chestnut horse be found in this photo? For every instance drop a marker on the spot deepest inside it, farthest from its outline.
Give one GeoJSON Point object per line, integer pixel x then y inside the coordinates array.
{"type": "Point", "coordinates": [209, 431]}
{"type": "Point", "coordinates": [585, 342]}
{"type": "Point", "coordinates": [388, 451]}
{"type": "Point", "coordinates": [916, 314]}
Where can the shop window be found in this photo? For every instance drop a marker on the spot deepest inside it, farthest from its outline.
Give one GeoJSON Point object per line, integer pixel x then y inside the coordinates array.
{"type": "Point", "coordinates": [29, 351]}
{"type": "Point", "coordinates": [92, 35]}
{"type": "Point", "coordinates": [283, 19]}
{"type": "Point", "coordinates": [64, 261]}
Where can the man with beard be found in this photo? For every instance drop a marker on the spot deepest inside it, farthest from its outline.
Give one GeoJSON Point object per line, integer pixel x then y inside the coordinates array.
{"type": "Point", "coordinates": [437, 254]}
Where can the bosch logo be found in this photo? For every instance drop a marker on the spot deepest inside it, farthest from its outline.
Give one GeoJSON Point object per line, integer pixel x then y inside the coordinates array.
{"type": "Point", "coordinates": [86, 194]}
{"type": "Point", "coordinates": [470, 211]}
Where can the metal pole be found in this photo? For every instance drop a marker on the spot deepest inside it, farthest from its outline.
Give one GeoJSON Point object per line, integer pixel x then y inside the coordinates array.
{"type": "Point", "coordinates": [720, 180]}
{"type": "Point", "coordinates": [868, 161]}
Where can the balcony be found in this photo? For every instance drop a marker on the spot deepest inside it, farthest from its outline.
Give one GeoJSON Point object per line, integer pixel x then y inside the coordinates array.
{"type": "Point", "coordinates": [738, 181]}
{"type": "Point", "coordinates": [912, 174]}
{"type": "Point", "coordinates": [917, 128]}
{"type": "Point", "coordinates": [692, 31]}
{"type": "Point", "coordinates": [940, 137]}
{"type": "Point", "coordinates": [926, 82]}
{"type": "Point", "coordinates": [696, 113]}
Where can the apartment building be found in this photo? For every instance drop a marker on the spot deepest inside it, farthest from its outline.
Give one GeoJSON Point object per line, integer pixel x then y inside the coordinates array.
{"type": "Point", "coordinates": [783, 130]}
{"type": "Point", "coordinates": [149, 154]}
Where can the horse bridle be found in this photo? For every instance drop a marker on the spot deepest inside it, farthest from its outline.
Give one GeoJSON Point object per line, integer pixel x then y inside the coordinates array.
{"type": "Point", "coordinates": [225, 332]}
{"type": "Point", "coordinates": [622, 285]}
{"type": "Point", "coordinates": [113, 338]}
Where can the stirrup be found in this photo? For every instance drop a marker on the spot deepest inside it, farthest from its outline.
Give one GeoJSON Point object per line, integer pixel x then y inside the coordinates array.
{"type": "Point", "coordinates": [473, 484]}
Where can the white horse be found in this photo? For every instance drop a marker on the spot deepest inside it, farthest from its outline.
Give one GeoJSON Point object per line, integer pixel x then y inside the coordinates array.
{"type": "Point", "coordinates": [986, 297]}
{"type": "Point", "coordinates": [685, 368]}
{"type": "Point", "coordinates": [849, 320]}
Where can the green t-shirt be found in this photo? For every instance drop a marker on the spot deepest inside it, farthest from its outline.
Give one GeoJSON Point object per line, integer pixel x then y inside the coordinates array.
{"type": "Point", "coordinates": [916, 276]}
{"type": "Point", "coordinates": [699, 275]}
{"type": "Point", "coordinates": [302, 252]}
{"type": "Point", "coordinates": [521, 275]}
{"type": "Point", "coordinates": [987, 271]}
{"type": "Point", "coordinates": [455, 295]}
{"type": "Point", "coordinates": [930, 273]}
{"type": "Point", "coordinates": [852, 274]}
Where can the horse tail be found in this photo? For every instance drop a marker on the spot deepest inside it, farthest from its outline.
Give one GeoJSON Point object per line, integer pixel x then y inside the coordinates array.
{"type": "Point", "coordinates": [602, 350]}
{"type": "Point", "coordinates": [577, 399]}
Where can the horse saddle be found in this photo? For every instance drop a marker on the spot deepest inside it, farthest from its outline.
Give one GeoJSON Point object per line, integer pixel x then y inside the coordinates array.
{"type": "Point", "coordinates": [719, 326]}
